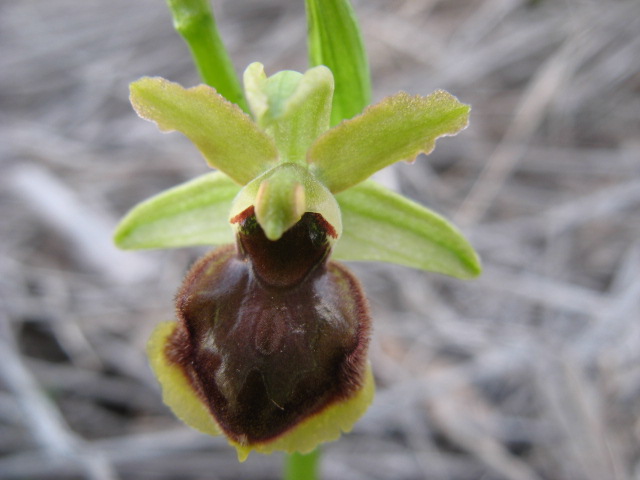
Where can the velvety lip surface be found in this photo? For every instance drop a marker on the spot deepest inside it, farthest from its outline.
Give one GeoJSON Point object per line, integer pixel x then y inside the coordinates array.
{"type": "Point", "coordinates": [270, 332]}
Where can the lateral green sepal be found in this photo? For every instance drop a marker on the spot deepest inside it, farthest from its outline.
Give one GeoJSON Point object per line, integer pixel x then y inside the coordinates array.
{"type": "Point", "coordinates": [383, 226]}
{"type": "Point", "coordinates": [193, 213]}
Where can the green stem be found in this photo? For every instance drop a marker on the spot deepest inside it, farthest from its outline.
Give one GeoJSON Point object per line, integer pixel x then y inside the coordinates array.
{"type": "Point", "coordinates": [302, 467]}
{"type": "Point", "coordinates": [194, 21]}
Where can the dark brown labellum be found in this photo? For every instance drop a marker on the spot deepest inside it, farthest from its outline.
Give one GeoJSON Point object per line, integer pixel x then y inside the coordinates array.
{"type": "Point", "coordinates": [271, 333]}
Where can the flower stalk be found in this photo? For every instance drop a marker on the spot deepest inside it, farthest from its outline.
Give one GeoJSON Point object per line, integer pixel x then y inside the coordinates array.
{"type": "Point", "coordinates": [302, 467]}
{"type": "Point", "coordinates": [194, 21]}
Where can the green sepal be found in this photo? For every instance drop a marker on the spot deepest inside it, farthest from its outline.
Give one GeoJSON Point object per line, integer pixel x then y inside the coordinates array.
{"type": "Point", "coordinates": [334, 40]}
{"type": "Point", "coordinates": [292, 108]}
{"type": "Point", "coordinates": [398, 128]}
{"type": "Point", "coordinates": [193, 213]}
{"type": "Point", "coordinates": [227, 138]}
{"type": "Point", "coordinates": [383, 226]}
{"type": "Point", "coordinates": [282, 195]}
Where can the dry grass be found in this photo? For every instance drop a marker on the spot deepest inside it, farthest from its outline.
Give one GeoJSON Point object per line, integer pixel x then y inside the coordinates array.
{"type": "Point", "coordinates": [531, 372]}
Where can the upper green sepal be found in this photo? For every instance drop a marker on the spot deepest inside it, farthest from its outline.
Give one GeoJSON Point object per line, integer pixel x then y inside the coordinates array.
{"type": "Point", "coordinates": [383, 226]}
{"type": "Point", "coordinates": [292, 108]}
{"type": "Point", "coordinates": [193, 213]}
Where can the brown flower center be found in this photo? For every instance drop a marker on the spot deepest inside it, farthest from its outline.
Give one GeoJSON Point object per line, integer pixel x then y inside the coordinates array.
{"type": "Point", "coordinates": [271, 332]}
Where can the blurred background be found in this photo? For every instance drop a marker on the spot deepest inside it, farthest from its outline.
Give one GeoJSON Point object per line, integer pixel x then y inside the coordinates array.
{"type": "Point", "coordinates": [531, 372]}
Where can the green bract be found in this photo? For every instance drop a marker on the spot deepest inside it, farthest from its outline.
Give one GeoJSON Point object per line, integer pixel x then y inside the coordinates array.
{"type": "Point", "coordinates": [334, 40]}
{"type": "Point", "coordinates": [286, 161]}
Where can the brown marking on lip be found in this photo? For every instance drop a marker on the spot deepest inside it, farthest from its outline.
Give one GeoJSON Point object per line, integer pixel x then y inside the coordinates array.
{"type": "Point", "coordinates": [286, 261]}
{"type": "Point", "coordinates": [263, 358]}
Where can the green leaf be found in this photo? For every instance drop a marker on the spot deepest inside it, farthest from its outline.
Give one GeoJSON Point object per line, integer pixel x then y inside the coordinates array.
{"type": "Point", "coordinates": [229, 140]}
{"type": "Point", "coordinates": [293, 108]}
{"type": "Point", "coordinates": [194, 21]}
{"type": "Point", "coordinates": [334, 40]}
{"type": "Point", "coordinates": [398, 128]}
{"type": "Point", "coordinates": [382, 226]}
{"type": "Point", "coordinates": [193, 213]}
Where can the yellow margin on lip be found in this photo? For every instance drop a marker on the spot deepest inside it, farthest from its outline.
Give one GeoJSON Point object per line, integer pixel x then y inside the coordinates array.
{"type": "Point", "coordinates": [177, 392]}
{"type": "Point", "coordinates": [325, 426]}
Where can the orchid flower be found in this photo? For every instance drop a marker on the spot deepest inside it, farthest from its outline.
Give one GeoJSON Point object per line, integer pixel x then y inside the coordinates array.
{"type": "Point", "coordinates": [270, 343]}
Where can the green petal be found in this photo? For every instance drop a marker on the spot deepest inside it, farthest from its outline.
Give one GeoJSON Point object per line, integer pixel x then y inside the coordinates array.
{"type": "Point", "coordinates": [398, 128]}
{"type": "Point", "coordinates": [293, 108]}
{"type": "Point", "coordinates": [229, 140]}
{"type": "Point", "coordinates": [193, 213]}
{"type": "Point", "coordinates": [282, 195]}
{"type": "Point", "coordinates": [380, 225]}
{"type": "Point", "coordinates": [334, 40]}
